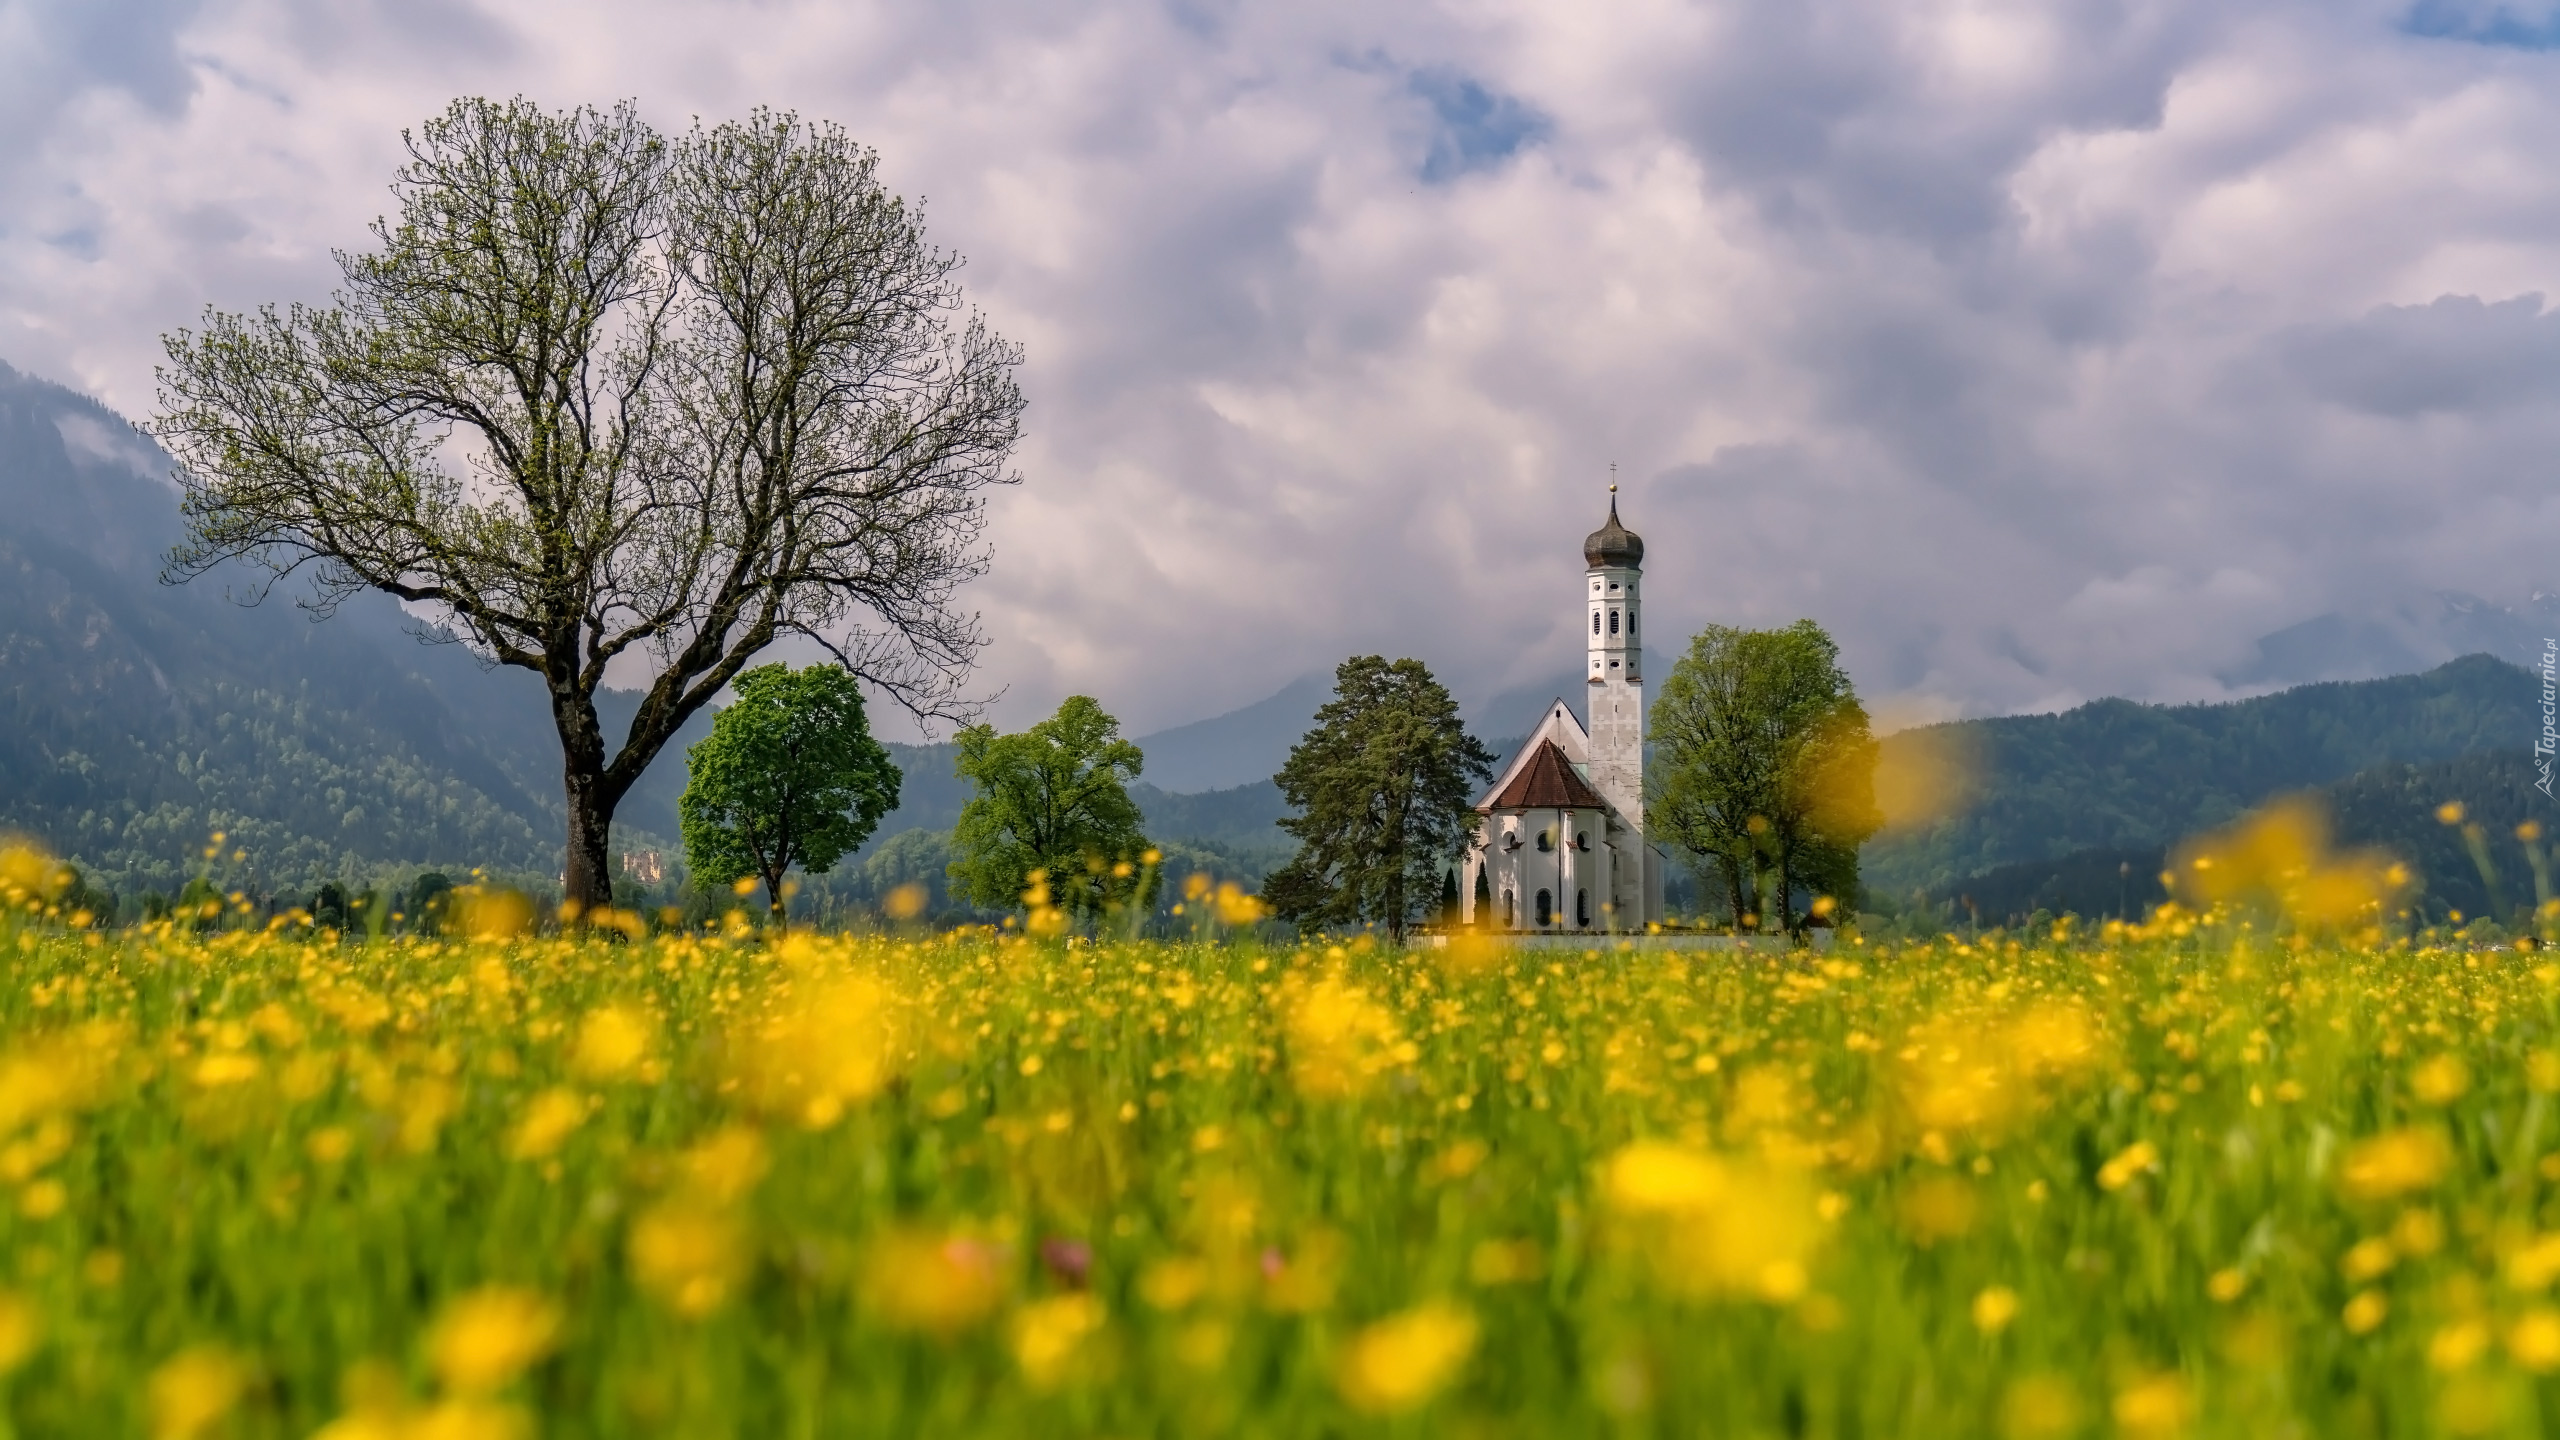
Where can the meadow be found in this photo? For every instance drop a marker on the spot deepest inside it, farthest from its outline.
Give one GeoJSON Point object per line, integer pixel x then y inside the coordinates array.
{"type": "Point", "coordinates": [2217, 1175]}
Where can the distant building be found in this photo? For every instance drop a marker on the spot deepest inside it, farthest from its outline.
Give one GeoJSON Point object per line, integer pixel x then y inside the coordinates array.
{"type": "Point", "coordinates": [1562, 844]}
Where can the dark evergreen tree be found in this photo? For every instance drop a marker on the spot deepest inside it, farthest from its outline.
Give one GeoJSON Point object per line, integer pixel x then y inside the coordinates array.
{"type": "Point", "coordinates": [1381, 791]}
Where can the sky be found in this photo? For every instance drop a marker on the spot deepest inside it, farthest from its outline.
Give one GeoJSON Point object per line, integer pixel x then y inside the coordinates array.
{"type": "Point", "coordinates": [2039, 351]}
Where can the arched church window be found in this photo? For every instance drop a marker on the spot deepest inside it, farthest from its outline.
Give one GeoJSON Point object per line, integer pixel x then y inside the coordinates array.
{"type": "Point", "coordinates": [1510, 910]}
{"type": "Point", "coordinates": [1546, 907]}
{"type": "Point", "coordinates": [1613, 622]}
{"type": "Point", "coordinates": [1582, 908]}
{"type": "Point", "coordinates": [1546, 841]}
{"type": "Point", "coordinates": [1595, 622]}
{"type": "Point", "coordinates": [1582, 842]}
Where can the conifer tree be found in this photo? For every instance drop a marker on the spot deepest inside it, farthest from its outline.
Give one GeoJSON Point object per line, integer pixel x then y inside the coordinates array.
{"type": "Point", "coordinates": [1381, 788]}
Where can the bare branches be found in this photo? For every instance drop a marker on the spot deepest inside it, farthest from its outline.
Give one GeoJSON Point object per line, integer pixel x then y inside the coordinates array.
{"type": "Point", "coordinates": [598, 393]}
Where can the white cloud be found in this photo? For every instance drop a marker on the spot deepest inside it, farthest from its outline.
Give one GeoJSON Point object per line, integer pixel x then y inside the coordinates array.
{"type": "Point", "coordinates": [2042, 351]}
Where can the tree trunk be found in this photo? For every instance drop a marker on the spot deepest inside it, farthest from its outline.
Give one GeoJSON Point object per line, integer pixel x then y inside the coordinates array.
{"type": "Point", "coordinates": [587, 881]}
{"type": "Point", "coordinates": [587, 876]}
{"type": "Point", "coordinates": [1732, 887]}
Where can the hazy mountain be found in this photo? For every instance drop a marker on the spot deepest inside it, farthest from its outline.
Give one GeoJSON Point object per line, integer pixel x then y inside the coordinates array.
{"type": "Point", "coordinates": [2429, 630]}
{"type": "Point", "coordinates": [1237, 748]}
{"type": "Point", "coordinates": [2117, 775]}
{"type": "Point", "coordinates": [137, 717]}
{"type": "Point", "coordinates": [2390, 807]}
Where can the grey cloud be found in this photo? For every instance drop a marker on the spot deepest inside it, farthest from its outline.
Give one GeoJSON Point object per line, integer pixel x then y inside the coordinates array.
{"type": "Point", "coordinates": [1958, 339]}
{"type": "Point", "coordinates": [2455, 354]}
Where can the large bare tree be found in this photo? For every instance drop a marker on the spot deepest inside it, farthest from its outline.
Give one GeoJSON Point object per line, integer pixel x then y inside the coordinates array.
{"type": "Point", "coordinates": [611, 401]}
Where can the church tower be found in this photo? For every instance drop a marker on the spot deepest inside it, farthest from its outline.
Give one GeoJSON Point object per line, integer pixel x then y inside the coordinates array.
{"type": "Point", "coordinates": [1613, 558]}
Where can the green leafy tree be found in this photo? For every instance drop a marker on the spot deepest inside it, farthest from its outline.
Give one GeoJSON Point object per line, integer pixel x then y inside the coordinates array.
{"type": "Point", "coordinates": [1764, 767]}
{"type": "Point", "coordinates": [1382, 789]}
{"type": "Point", "coordinates": [1053, 799]}
{"type": "Point", "coordinates": [602, 398]}
{"type": "Point", "coordinates": [789, 776]}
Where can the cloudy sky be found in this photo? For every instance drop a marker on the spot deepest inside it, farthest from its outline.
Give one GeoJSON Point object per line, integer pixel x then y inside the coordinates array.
{"type": "Point", "coordinates": [2042, 351]}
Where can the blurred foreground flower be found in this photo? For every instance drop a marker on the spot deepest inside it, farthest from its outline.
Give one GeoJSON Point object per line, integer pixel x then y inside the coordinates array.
{"type": "Point", "coordinates": [489, 913]}
{"type": "Point", "coordinates": [2395, 1163]}
{"type": "Point", "coordinates": [1340, 1040]}
{"type": "Point", "coordinates": [485, 1338]}
{"type": "Point", "coordinates": [1399, 1363]}
{"type": "Point", "coordinates": [194, 1390]}
{"type": "Point", "coordinates": [1713, 1224]}
{"type": "Point", "coordinates": [829, 1043]}
{"type": "Point", "coordinates": [1048, 1335]}
{"type": "Point", "coordinates": [2280, 855]}
{"type": "Point", "coordinates": [939, 1284]}
{"type": "Point", "coordinates": [688, 1256]}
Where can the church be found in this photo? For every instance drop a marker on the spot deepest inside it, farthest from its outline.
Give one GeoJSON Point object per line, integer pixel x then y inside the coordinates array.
{"type": "Point", "coordinates": [1560, 844]}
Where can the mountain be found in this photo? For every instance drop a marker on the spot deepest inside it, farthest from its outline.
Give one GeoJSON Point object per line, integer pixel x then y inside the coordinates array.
{"type": "Point", "coordinates": [2116, 775]}
{"type": "Point", "coordinates": [138, 717]}
{"type": "Point", "coordinates": [1237, 748]}
{"type": "Point", "coordinates": [2393, 807]}
{"type": "Point", "coordinates": [2417, 633]}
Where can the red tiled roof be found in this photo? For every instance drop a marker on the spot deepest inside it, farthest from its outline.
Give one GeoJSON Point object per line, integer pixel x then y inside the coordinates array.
{"type": "Point", "coordinates": [1548, 782]}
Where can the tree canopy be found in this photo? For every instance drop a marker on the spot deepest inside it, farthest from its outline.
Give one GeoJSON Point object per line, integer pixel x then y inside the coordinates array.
{"type": "Point", "coordinates": [1764, 767]}
{"type": "Point", "coordinates": [1382, 788]}
{"type": "Point", "coordinates": [607, 400]}
{"type": "Point", "coordinates": [1053, 800]}
{"type": "Point", "coordinates": [789, 776]}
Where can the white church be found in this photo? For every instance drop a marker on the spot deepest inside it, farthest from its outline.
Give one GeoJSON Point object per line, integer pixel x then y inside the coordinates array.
{"type": "Point", "coordinates": [1560, 846]}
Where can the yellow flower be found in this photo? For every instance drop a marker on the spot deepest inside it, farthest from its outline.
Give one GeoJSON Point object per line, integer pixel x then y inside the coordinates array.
{"type": "Point", "coordinates": [2226, 1285]}
{"type": "Point", "coordinates": [1048, 1334]}
{"type": "Point", "coordinates": [547, 1121]}
{"type": "Point", "coordinates": [2440, 1081]}
{"type": "Point", "coordinates": [487, 1337]}
{"type": "Point", "coordinates": [1994, 1308]}
{"type": "Point", "coordinates": [2365, 1313]}
{"type": "Point", "coordinates": [2395, 1163]}
{"type": "Point", "coordinates": [2367, 1258]}
{"type": "Point", "coordinates": [939, 1284]}
{"type": "Point", "coordinates": [2040, 1407]}
{"type": "Point", "coordinates": [689, 1258]}
{"type": "Point", "coordinates": [1340, 1040]}
{"type": "Point", "coordinates": [1399, 1363]}
{"type": "Point", "coordinates": [2458, 1346]}
{"type": "Point", "coordinates": [725, 1167]}
{"type": "Point", "coordinates": [193, 1390]}
{"type": "Point", "coordinates": [2534, 1340]}
{"type": "Point", "coordinates": [612, 1041]}
{"type": "Point", "coordinates": [1715, 1225]}
{"type": "Point", "coordinates": [21, 1330]}
{"type": "Point", "coordinates": [1172, 1284]}
{"type": "Point", "coordinates": [2155, 1408]}
{"type": "Point", "coordinates": [2139, 1158]}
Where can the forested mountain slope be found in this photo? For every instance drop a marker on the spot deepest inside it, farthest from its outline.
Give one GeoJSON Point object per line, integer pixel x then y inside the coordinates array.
{"type": "Point", "coordinates": [2396, 808]}
{"type": "Point", "coordinates": [2115, 774]}
{"type": "Point", "coordinates": [137, 717]}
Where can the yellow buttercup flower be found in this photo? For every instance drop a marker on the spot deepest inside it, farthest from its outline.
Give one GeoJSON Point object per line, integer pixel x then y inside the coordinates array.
{"type": "Point", "coordinates": [1400, 1363]}
{"type": "Point", "coordinates": [487, 1337]}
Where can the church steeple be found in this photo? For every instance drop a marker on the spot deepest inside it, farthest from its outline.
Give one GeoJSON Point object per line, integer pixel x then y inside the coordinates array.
{"type": "Point", "coordinates": [1614, 544]}
{"type": "Point", "coordinates": [1614, 557]}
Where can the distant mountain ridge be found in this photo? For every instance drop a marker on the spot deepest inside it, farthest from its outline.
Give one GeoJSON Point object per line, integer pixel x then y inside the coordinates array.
{"type": "Point", "coordinates": [2113, 773]}
{"type": "Point", "coordinates": [136, 718]}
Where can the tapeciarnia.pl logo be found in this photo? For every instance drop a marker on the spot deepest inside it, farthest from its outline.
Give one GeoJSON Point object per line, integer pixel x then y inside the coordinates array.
{"type": "Point", "coordinates": [2549, 741]}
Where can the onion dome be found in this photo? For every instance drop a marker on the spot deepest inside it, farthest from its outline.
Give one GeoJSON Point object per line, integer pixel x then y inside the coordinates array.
{"type": "Point", "coordinates": [1613, 544]}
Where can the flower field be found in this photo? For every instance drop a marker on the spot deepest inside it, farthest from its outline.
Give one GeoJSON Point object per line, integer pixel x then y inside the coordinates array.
{"type": "Point", "coordinates": [2189, 1180]}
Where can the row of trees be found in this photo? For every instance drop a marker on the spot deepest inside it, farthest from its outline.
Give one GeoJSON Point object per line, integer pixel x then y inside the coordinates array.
{"type": "Point", "coordinates": [606, 398]}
